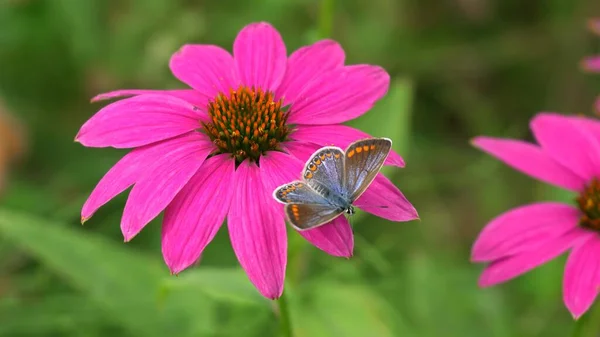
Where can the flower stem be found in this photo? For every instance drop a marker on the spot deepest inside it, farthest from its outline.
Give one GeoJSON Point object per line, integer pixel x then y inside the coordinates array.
{"type": "Point", "coordinates": [326, 18]}
{"type": "Point", "coordinates": [284, 317]}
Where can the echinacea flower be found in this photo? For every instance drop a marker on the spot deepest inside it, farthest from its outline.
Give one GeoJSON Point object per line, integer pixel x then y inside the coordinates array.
{"type": "Point", "coordinates": [568, 156]}
{"type": "Point", "coordinates": [217, 151]}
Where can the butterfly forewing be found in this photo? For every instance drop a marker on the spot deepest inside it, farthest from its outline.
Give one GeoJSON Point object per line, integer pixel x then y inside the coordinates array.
{"type": "Point", "coordinates": [305, 216]}
{"type": "Point", "coordinates": [363, 161]}
{"type": "Point", "coordinates": [324, 172]}
{"type": "Point", "coordinates": [298, 192]}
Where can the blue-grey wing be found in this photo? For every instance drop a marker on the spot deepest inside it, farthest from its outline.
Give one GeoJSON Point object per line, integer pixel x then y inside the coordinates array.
{"type": "Point", "coordinates": [298, 192]}
{"type": "Point", "coordinates": [363, 160]}
{"type": "Point", "coordinates": [305, 216]}
{"type": "Point", "coordinates": [324, 171]}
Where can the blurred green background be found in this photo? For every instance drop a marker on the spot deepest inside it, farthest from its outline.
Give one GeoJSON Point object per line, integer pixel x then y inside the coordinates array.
{"type": "Point", "coordinates": [459, 68]}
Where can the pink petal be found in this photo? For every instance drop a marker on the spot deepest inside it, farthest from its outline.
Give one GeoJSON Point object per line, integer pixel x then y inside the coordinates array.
{"type": "Point", "coordinates": [260, 56]}
{"type": "Point", "coordinates": [385, 200]}
{"type": "Point", "coordinates": [206, 68]}
{"type": "Point", "coordinates": [308, 63]}
{"type": "Point", "coordinates": [513, 266]}
{"type": "Point", "coordinates": [338, 135]}
{"type": "Point", "coordinates": [568, 143]}
{"type": "Point", "coordinates": [301, 150]}
{"type": "Point", "coordinates": [523, 229]}
{"type": "Point", "coordinates": [335, 238]}
{"type": "Point", "coordinates": [258, 232]}
{"type": "Point", "coordinates": [340, 95]}
{"type": "Point", "coordinates": [591, 124]}
{"type": "Point", "coordinates": [278, 168]}
{"type": "Point", "coordinates": [582, 277]}
{"type": "Point", "coordinates": [161, 182]}
{"type": "Point", "coordinates": [126, 172]}
{"type": "Point", "coordinates": [193, 218]}
{"type": "Point", "coordinates": [591, 64]}
{"type": "Point", "coordinates": [531, 160]}
{"type": "Point", "coordinates": [189, 95]}
{"type": "Point", "coordinates": [138, 121]}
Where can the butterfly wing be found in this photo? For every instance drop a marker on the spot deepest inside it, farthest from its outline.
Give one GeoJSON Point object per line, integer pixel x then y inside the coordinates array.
{"type": "Point", "coordinates": [363, 161]}
{"type": "Point", "coordinates": [298, 192]}
{"type": "Point", "coordinates": [324, 171]}
{"type": "Point", "coordinates": [305, 208]}
{"type": "Point", "coordinates": [307, 216]}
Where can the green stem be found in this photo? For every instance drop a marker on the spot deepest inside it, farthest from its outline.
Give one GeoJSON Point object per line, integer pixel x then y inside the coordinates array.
{"type": "Point", "coordinates": [326, 18]}
{"type": "Point", "coordinates": [284, 317]}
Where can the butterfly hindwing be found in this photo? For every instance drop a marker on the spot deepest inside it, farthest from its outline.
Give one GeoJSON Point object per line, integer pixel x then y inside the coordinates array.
{"type": "Point", "coordinates": [363, 160]}
{"type": "Point", "coordinates": [324, 171]}
{"type": "Point", "coordinates": [307, 216]}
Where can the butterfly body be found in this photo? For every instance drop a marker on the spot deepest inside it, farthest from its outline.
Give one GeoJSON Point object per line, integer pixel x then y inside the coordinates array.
{"type": "Point", "coordinates": [332, 181]}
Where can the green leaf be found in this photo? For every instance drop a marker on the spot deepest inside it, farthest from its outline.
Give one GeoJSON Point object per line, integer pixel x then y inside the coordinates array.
{"type": "Point", "coordinates": [334, 309]}
{"type": "Point", "coordinates": [123, 282]}
{"type": "Point", "coordinates": [229, 285]}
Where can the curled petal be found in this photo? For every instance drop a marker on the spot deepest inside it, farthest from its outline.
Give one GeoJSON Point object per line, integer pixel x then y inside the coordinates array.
{"type": "Point", "coordinates": [335, 238]}
{"type": "Point", "coordinates": [308, 63]}
{"type": "Point", "coordinates": [582, 277]}
{"type": "Point", "coordinates": [257, 232]}
{"type": "Point", "coordinates": [193, 218]}
{"type": "Point", "coordinates": [338, 135]}
{"type": "Point", "coordinates": [161, 182]}
{"type": "Point", "coordinates": [189, 95]}
{"type": "Point", "coordinates": [206, 68]}
{"type": "Point", "coordinates": [531, 160]}
{"type": "Point", "coordinates": [385, 200]}
{"type": "Point", "coordinates": [523, 229]}
{"type": "Point", "coordinates": [260, 56]}
{"type": "Point", "coordinates": [139, 121]}
{"type": "Point", "coordinates": [340, 95]}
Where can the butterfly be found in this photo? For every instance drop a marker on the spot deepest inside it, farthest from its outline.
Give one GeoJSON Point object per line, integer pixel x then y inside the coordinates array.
{"type": "Point", "coordinates": [332, 181]}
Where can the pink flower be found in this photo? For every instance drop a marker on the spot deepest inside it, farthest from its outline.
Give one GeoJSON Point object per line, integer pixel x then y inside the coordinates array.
{"type": "Point", "coordinates": [218, 150]}
{"type": "Point", "coordinates": [568, 156]}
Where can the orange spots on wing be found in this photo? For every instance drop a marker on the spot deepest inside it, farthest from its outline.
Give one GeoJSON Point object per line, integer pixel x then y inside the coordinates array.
{"type": "Point", "coordinates": [350, 153]}
{"type": "Point", "coordinates": [317, 161]}
{"type": "Point", "coordinates": [366, 148]}
{"type": "Point", "coordinates": [312, 167]}
{"type": "Point", "coordinates": [322, 156]}
{"type": "Point", "coordinates": [337, 155]}
{"type": "Point", "coordinates": [373, 147]}
{"type": "Point", "coordinates": [308, 175]}
{"type": "Point", "coordinates": [359, 149]}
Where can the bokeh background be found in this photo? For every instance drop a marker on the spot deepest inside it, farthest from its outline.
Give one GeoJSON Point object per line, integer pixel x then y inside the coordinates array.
{"type": "Point", "coordinates": [459, 68]}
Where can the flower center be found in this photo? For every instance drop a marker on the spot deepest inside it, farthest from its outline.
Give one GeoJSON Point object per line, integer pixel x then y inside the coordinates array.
{"type": "Point", "coordinates": [589, 204]}
{"type": "Point", "coordinates": [246, 123]}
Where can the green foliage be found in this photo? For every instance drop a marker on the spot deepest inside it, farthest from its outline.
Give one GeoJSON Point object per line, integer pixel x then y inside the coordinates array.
{"type": "Point", "coordinates": [458, 69]}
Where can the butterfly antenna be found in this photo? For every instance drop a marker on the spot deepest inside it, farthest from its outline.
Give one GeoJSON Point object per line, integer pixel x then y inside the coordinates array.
{"type": "Point", "coordinates": [375, 206]}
